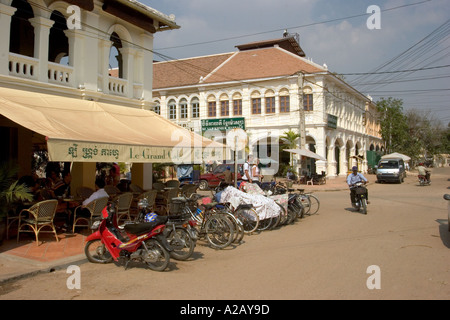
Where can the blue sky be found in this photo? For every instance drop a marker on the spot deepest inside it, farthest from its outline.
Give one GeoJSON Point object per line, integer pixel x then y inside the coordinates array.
{"type": "Point", "coordinates": [346, 45]}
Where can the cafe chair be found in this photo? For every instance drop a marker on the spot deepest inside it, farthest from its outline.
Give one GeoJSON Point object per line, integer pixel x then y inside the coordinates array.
{"type": "Point", "coordinates": [94, 207]}
{"type": "Point", "coordinates": [123, 205]}
{"type": "Point", "coordinates": [112, 191]}
{"type": "Point", "coordinates": [158, 186]}
{"type": "Point", "coordinates": [37, 217]}
{"type": "Point", "coordinates": [164, 203]}
{"type": "Point", "coordinates": [188, 189]}
{"type": "Point", "coordinates": [136, 189]}
{"type": "Point", "coordinates": [151, 198]}
{"type": "Point", "coordinates": [84, 192]}
{"type": "Point", "coordinates": [172, 184]}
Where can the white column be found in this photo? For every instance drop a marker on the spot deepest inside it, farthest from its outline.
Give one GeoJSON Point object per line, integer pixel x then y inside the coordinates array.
{"type": "Point", "coordinates": [128, 68]}
{"type": "Point", "coordinates": [41, 43]}
{"type": "Point", "coordinates": [6, 12]}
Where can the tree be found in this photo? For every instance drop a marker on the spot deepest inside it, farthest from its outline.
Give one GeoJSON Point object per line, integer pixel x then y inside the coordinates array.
{"type": "Point", "coordinates": [393, 123]}
{"type": "Point", "coordinates": [289, 141]}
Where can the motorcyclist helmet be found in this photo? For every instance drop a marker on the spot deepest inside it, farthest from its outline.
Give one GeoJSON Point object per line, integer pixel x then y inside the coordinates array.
{"type": "Point", "coordinates": [150, 217]}
{"type": "Point", "coordinates": [355, 168]}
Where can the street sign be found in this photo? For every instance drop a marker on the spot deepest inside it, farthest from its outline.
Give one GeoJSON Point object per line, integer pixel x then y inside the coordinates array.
{"type": "Point", "coordinates": [224, 124]}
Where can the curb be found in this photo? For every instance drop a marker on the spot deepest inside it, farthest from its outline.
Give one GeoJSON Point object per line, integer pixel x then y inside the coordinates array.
{"type": "Point", "coordinates": [51, 267]}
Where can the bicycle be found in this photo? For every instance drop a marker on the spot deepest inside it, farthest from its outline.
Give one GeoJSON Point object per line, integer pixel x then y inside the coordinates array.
{"type": "Point", "coordinates": [218, 230]}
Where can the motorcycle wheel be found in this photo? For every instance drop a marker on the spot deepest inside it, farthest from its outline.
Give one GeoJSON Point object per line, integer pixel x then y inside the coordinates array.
{"type": "Point", "coordinates": [158, 258]}
{"type": "Point", "coordinates": [183, 245]}
{"type": "Point", "coordinates": [364, 206]}
{"type": "Point", "coordinates": [96, 252]}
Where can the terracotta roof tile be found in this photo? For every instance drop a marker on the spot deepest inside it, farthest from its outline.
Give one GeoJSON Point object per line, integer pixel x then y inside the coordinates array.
{"type": "Point", "coordinates": [185, 72]}
{"type": "Point", "coordinates": [238, 66]}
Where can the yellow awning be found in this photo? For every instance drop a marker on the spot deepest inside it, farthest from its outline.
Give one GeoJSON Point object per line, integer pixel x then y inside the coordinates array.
{"type": "Point", "coordinates": [88, 131]}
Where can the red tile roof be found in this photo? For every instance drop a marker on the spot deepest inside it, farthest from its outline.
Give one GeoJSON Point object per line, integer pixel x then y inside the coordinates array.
{"type": "Point", "coordinates": [239, 66]}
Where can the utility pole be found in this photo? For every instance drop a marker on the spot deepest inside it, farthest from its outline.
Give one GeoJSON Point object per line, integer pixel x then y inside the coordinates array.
{"type": "Point", "coordinates": [301, 124]}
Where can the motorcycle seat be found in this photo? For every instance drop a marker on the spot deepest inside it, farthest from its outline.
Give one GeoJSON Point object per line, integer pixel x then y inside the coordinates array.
{"type": "Point", "coordinates": [144, 227]}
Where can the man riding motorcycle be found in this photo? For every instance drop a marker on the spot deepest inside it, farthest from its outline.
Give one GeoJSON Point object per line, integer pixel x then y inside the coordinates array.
{"type": "Point", "coordinates": [352, 179]}
{"type": "Point", "coordinates": [424, 172]}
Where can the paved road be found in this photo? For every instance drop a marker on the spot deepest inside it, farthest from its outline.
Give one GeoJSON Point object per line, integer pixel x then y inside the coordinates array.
{"type": "Point", "coordinates": [325, 256]}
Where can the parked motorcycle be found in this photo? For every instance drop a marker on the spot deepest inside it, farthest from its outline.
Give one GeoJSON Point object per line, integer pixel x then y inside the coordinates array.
{"type": "Point", "coordinates": [142, 242]}
{"type": "Point", "coordinates": [361, 200]}
{"type": "Point", "coordinates": [179, 231]}
{"type": "Point", "coordinates": [423, 180]}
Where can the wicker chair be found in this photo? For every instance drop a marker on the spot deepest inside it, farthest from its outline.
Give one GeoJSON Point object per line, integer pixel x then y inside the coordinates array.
{"type": "Point", "coordinates": [84, 192]}
{"type": "Point", "coordinates": [95, 208]}
{"type": "Point", "coordinates": [136, 189]}
{"type": "Point", "coordinates": [112, 190]}
{"type": "Point", "coordinates": [163, 204]}
{"type": "Point", "coordinates": [173, 184]}
{"type": "Point", "coordinates": [188, 189]}
{"type": "Point", "coordinates": [123, 202]}
{"type": "Point", "coordinates": [39, 216]}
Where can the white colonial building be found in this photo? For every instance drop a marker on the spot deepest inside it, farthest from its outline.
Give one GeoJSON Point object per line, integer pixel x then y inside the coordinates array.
{"type": "Point", "coordinates": [65, 49]}
{"type": "Point", "coordinates": [275, 89]}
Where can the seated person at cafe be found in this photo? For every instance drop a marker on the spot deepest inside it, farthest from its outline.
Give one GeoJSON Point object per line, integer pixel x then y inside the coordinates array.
{"type": "Point", "coordinates": [62, 187]}
{"type": "Point", "coordinates": [99, 192]}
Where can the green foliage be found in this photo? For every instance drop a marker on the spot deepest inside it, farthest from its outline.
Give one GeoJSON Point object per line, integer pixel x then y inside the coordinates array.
{"type": "Point", "coordinates": [10, 190]}
{"type": "Point", "coordinates": [413, 133]}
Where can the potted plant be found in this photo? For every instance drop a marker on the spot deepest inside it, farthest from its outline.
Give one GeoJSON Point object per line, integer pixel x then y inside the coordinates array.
{"type": "Point", "coordinates": [11, 192]}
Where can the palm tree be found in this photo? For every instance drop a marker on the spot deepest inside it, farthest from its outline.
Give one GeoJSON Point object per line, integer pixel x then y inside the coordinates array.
{"type": "Point", "coordinates": [289, 142]}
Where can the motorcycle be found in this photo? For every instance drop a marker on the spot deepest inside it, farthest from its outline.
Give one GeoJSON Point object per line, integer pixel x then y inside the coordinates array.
{"type": "Point", "coordinates": [179, 231]}
{"type": "Point", "coordinates": [360, 194]}
{"type": "Point", "coordinates": [142, 242]}
{"type": "Point", "coordinates": [423, 180]}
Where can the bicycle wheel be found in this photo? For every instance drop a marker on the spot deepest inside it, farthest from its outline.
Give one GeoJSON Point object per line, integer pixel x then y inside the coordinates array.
{"type": "Point", "coordinates": [264, 224]}
{"type": "Point", "coordinates": [219, 231]}
{"type": "Point", "coordinates": [237, 225]}
{"type": "Point", "coordinates": [313, 205]}
{"type": "Point", "coordinates": [305, 201]}
{"type": "Point", "coordinates": [249, 219]}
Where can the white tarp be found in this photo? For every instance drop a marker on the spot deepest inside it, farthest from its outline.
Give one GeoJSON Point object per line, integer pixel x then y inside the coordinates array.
{"type": "Point", "coordinates": [306, 153]}
{"type": "Point", "coordinates": [396, 155]}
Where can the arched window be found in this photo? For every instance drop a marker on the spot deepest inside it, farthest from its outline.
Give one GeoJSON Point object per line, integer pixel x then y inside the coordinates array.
{"type": "Point", "coordinates": [308, 103]}
{"type": "Point", "coordinates": [183, 109]}
{"type": "Point", "coordinates": [58, 42]}
{"type": "Point", "coordinates": [224, 105]}
{"type": "Point", "coordinates": [115, 57]}
{"type": "Point", "coordinates": [270, 101]}
{"type": "Point", "coordinates": [195, 106]}
{"type": "Point", "coordinates": [284, 101]}
{"type": "Point", "coordinates": [22, 32]}
{"type": "Point", "coordinates": [212, 107]}
{"type": "Point", "coordinates": [157, 107]}
{"type": "Point", "coordinates": [256, 102]}
{"type": "Point", "coordinates": [172, 110]}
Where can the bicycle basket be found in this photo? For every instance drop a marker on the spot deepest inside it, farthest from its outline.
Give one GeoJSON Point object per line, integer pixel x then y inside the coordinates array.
{"type": "Point", "coordinates": [176, 206]}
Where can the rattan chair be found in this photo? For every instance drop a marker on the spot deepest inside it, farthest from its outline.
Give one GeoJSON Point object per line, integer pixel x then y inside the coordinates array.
{"type": "Point", "coordinates": [39, 216]}
{"type": "Point", "coordinates": [173, 184]}
{"type": "Point", "coordinates": [112, 191]}
{"type": "Point", "coordinates": [164, 203]}
{"type": "Point", "coordinates": [84, 192]}
{"type": "Point", "coordinates": [95, 208]}
{"type": "Point", "coordinates": [123, 205]}
{"type": "Point", "coordinates": [136, 189]}
{"type": "Point", "coordinates": [188, 189]}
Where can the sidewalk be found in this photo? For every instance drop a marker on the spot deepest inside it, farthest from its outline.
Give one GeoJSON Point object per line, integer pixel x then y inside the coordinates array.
{"type": "Point", "coordinates": [19, 260]}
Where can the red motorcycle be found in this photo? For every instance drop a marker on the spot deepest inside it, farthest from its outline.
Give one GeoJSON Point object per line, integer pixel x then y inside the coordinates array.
{"type": "Point", "coordinates": [143, 242]}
